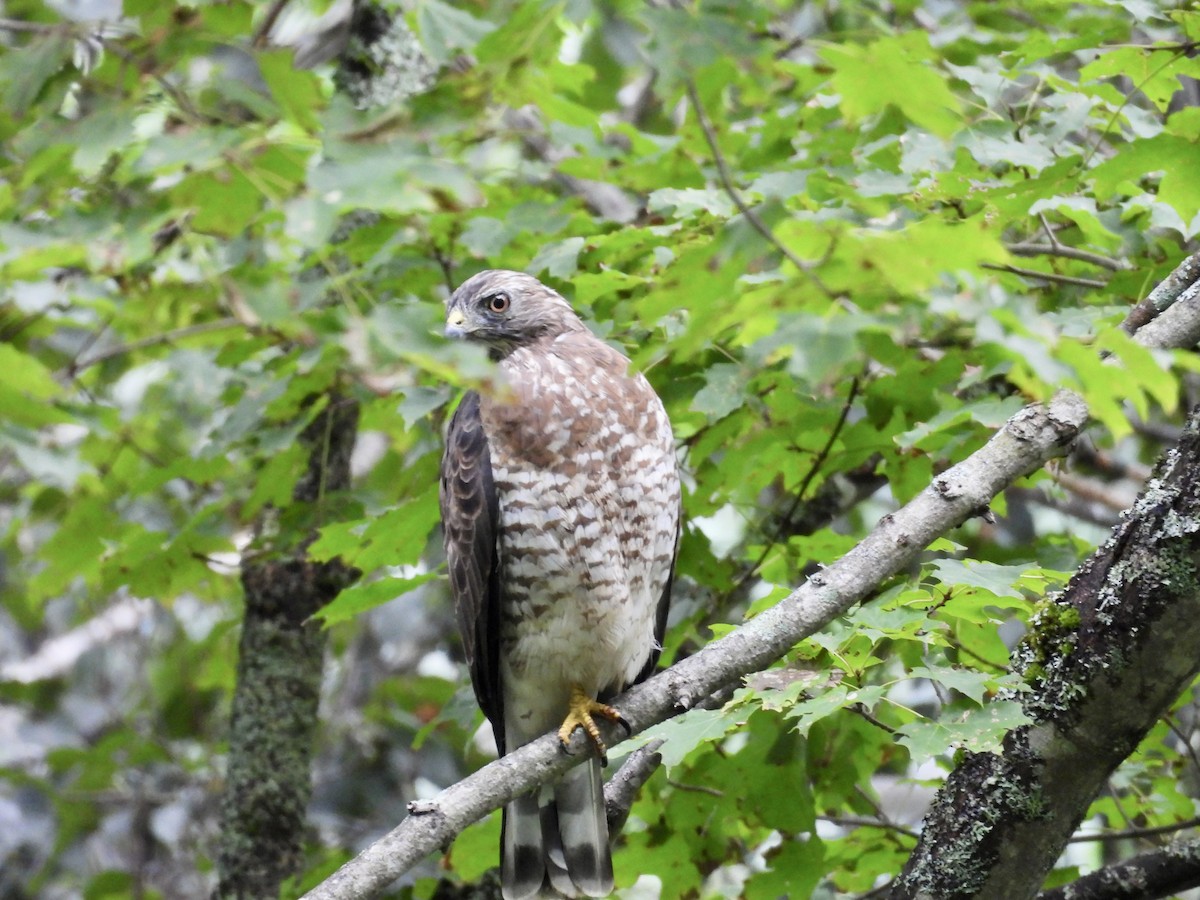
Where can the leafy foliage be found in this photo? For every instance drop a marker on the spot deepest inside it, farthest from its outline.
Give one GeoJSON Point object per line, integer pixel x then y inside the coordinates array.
{"type": "Point", "coordinates": [197, 239]}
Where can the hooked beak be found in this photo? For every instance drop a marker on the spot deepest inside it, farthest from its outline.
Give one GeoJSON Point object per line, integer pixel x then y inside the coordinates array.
{"type": "Point", "coordinates": [454, 324]}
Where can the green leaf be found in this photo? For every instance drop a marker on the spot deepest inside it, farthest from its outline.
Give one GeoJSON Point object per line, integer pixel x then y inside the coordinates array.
{"type": "Point", "coordinates": [723, 392]}
{"type": "Point", "coordinates": [687, 202]}
{"type": "Point", "coordinates": [980, 731]}
{"type": "Point", "coordinates": [223, 202]}
{"type": "Point", "coordinates": [902, 73]}
{"type": "Point", "coordinates": [25, 71]}
{"type": "Point", "coordinates": [683, 734]}
{"type": "Point", "coordinates": [1166, 155]}
{"type": "Point", "coordinates": [27, 389]}
{"type": "Point", "coordinates": [998, 580]}
{"type": "Point", "coordinates": [794, 870]}
{"type": "Point", "coordinates": [1153, 72]}
{"type": "Point", "coordinates": [559, 259]}
{"type": "Point", "coordinates": [297, 92]}
{"type": "Point", "coordinates": [358, 598]}
{"type": "Point", "coordinates": [445, 30]}
{"type": "Point", "coordinates": [971, 684]}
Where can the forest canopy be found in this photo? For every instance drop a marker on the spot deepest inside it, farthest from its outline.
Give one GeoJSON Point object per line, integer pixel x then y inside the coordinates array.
{"type": "Point", "coordinates": [846, 243]}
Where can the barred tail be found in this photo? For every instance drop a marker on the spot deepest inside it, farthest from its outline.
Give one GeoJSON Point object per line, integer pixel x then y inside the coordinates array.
{"type": "Point", "coordinates": [558, 847]}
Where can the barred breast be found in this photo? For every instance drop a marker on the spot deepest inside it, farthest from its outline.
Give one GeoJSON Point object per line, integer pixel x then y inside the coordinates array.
{"type": "Point", "coordinates": [584, 467]}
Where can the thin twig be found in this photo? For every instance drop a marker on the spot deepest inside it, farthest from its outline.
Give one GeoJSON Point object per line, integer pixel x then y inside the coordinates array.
{"type": "Point", "coordinates": [695, 788]}
{"type": "Point", "coordinates": [861, 710]}
{"type": "Point", "coordinates": [1184, 739]}
{"type": "Point", "coordinates": [1056, 249]}
{"type": "Point", "coordinates": [1092, 491]}
{"type": "Point", "coordinates": [1183, 47]}
{"type": "Point", "coordinates": [1046, 276]}
{"type": "Point", "coordinates": [864, 822]}
{"type": "Point", "coordinates": [750, 215]}
{"type": "Point", "coordinates": [1049, 229]}
{"type": "Point", "coordinates": [88, 343]}
{"type": "Point", "coordinates": [1131, 470]}
{"type": "Point", "coordinates": [1133, 832]}
{"type": "Point", "coordinates": [1074, 507]}
{"type": "Point", "coordinates": [264, 30]}
{"type": "Point", "coordinates": [1179, 51]}
{"type": "Point", "coordinates": [785, 521]}
{"type": "Point", "coordinates": [166, 337]}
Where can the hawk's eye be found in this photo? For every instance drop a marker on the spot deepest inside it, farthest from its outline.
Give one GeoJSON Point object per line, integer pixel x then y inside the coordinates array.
{"type": "Point", "coordinates": [497, 303]}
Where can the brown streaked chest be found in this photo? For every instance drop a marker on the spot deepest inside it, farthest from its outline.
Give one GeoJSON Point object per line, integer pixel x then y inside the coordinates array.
{"type": "Point", "coordinates": [570, 406]}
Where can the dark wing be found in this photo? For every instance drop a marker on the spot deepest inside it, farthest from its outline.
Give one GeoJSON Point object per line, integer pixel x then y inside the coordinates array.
{"type": "Point", "coordinates": [664, 606]}
{"type": "Point", "coordinates": [470, 516]}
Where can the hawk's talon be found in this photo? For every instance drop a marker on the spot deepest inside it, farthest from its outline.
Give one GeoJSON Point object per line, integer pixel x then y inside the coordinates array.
{"type": "Point", "coordinates": [580, 714]}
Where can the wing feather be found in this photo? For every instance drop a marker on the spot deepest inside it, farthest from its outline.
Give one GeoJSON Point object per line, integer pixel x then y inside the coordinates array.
{"type": "Point", "coordinates": [470, 517]}
{"type": "Point", "coordinates": [660, 613]}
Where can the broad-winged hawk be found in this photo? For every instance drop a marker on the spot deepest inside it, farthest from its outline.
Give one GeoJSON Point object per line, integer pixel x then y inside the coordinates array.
{"type": "Point", "coordinates": [560, 499]}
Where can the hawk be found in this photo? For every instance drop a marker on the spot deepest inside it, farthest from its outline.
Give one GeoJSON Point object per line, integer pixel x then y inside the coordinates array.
{"type": "Point", "coordinates": [560, 499]}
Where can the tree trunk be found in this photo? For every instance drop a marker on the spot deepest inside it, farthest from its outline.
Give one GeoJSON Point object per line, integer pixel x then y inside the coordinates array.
{"type": "Point", "coordinates": [278, 683]}
{"type": "Point", "coordinates": [1104, 661]}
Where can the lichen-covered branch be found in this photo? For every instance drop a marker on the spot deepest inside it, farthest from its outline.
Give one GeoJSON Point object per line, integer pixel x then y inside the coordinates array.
{"type": "Point", "coordinates": [280, 660]}
{"type": "Point", "coordinates": [1104, 661]}
{"type": "Point", "coordinates": [1160, 873]}
{"type": "Point", "coordinates": [1023, 445]}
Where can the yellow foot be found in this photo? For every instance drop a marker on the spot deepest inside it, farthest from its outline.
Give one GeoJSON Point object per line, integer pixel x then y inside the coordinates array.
{"type": "Point", "coordinates": [580, 714]}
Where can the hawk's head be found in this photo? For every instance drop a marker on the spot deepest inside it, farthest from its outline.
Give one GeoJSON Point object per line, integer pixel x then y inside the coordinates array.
{"type": "Point", "coordinates": [505, 310]}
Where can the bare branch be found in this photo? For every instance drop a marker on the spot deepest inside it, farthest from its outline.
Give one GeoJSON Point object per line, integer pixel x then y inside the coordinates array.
{"type": "Point", "coordinates": [1045, 276]}
{"type": "Point", "coordinates": [154, 340]}
{"type": "Point", "coordinates": [20, 25]}
{"type": "Point", "coordinates": [1095, 491]}
{"type": "Point", "coordinates": [622, 789]}
{"type": "Point", "coordinates": [1165, 293]}
{"type": "Point", "coordinates": [1057, 249]}
{"type": "Point", "coordinates": [606, 200]}
{"type": "Point", "coordinates": [263, 34]}
{"type": "Point", "coordinates": [864, 822]}
{"type": "Point", "coordinates": [1176, 326]}
{"type": "Point", "coordinates": [1125, 834]}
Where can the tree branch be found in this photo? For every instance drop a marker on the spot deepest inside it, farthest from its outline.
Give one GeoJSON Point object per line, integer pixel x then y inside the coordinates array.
{"type": "Point", "coordinates": [1159, 873]}
{"type": "Point", "coordinates": [20, 25]}
{"type": "Point", "coordinates": [606, 200]}
{"type": "Point", "coordinates": [1045, 276]}
{"type": "Point", "coordinates": [1165, 293]}
{"type": "Point", "coordinates": [154, 340]}
{"type": "Point", "coordinates": [263, 34]}
{"type": "Point", "coordinates": [1028, 248]}
{"type": "Point", "coordinates": [1103, 661]}
{"type": "Point", "coordinates": [1178, 325]}
{"type": "Point", "coordinates": [1125, 834]}
{"type": "Point", "coordinates": [622, 789]}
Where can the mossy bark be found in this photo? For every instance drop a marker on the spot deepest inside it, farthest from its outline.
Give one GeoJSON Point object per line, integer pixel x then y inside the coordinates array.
{"type": "Point", "coordinates": [1104, 661]}
{"type": "Point", "coordinates": [274, 719]}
